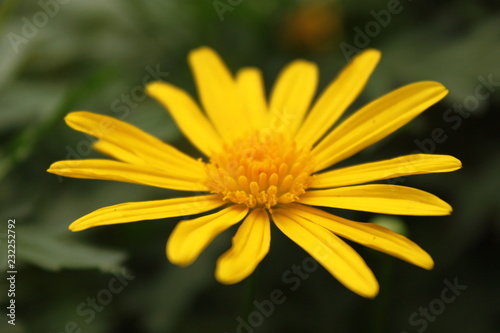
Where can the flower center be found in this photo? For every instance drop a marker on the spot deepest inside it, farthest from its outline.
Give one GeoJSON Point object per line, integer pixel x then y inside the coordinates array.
{"type": "Point", "coordinates": [260, 170]}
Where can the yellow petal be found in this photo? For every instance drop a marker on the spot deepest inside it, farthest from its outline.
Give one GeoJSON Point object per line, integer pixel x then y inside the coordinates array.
{"type": "Point", "coordinates": [337, 97]}
{"type": "Point", "coordinates": [117, 152]}
{"type": "Point", "coordinates": [189, 238]}
{"type": "Point", "coordinates": [121, 134]}
{"type": "Point", "coordinates": [396, 167]}
{"type": "Point", "coordinates": [367, 234]}
{"type": "Point", "coordinates": [251, 88]}
{"type": "Point", "coordinates": [376, 120]}
{"type": "Point", "coordinates": [147, 210]}
{"type": "Point", "coordinates": [187, 116]}
{"type": "Point", "coordinates": [330, 251]}
{"type": "Point", "coordinates": [384, 199]}
{"type": "Point", "coordinates": [292, 94]}
{"type": "Point", "coordinates": [124, 172]}
{"type": "Point", "coordinates": [250, 245]}
{"type": "Point", "coordinates": [218, 93]}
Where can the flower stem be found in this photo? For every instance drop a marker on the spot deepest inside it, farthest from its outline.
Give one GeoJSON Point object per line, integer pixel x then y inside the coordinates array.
{"type": "Point", "coordinates": [250, 293]}
{"type": "Point", "coordinates": [381, 302]}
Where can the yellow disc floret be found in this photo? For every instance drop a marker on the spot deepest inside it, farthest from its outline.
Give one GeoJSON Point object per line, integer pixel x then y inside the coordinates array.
{"type": "Point", "coordinates": [260, 170]}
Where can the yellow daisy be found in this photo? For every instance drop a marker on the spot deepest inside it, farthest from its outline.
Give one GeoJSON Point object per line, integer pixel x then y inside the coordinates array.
{"type": "Point", "coordinates": [263, 161]}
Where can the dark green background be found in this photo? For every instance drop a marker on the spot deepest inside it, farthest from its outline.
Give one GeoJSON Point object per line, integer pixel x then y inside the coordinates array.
{"type": "Point", "coordinates": [89, 53]}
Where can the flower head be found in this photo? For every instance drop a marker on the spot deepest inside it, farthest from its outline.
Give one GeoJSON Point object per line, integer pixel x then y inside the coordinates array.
{"type": "Point", "coordinates": [264, 163]}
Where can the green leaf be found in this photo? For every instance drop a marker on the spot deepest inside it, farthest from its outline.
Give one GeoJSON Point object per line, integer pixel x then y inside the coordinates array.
{"type": "Point", "coordinates": [54, 252]}
{"type": "Point", "coordinates": [393, 223]}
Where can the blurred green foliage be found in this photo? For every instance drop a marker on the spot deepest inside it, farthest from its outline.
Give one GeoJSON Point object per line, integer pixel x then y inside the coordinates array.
{"type": "Point", "coordinates": [62, 56]}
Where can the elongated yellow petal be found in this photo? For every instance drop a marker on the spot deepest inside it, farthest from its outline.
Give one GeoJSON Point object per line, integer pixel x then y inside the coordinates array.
{"type": "Point", "coordinates": [251, 88]}
{"type": "Point", "coordinates": [367, 234]}
{"type": "Point", "coordinates": [218, 93]}
{"type": "Point", "coordinates": [337, 97]}
{"type": "Point", "coordinates": [250, 245]}
{"type": "Point", "coordinates": [128, 137]}
{"type": "Point", "coordinates": [117, 152]}
{"type": "Point", "coordinates": [147, 210]}
{"type": "Point", "coordinates": [384, 199]}
{"type": "Point", "coordinates": [396, 167]}
{"type": "Point", "coordinates": [292, 94]}
{"type": "Point", "coordinates": [376, 120]}
{"type": "Point", "coordinates": [330, 251]}
{"type": "Point", "coordinates": [189, 238]}
{"type": "Point", "coordinates": [124, 172]}
{"type": "Point", "coordinates": [187, 116]}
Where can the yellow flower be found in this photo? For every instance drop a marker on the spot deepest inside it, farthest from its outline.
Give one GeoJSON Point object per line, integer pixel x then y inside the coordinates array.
{"type": "Point", "coordinates": [265, 162]}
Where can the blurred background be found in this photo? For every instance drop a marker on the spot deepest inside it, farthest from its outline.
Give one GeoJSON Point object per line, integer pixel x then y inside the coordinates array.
{"type": "Point", "coordinates": [58, 56]}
